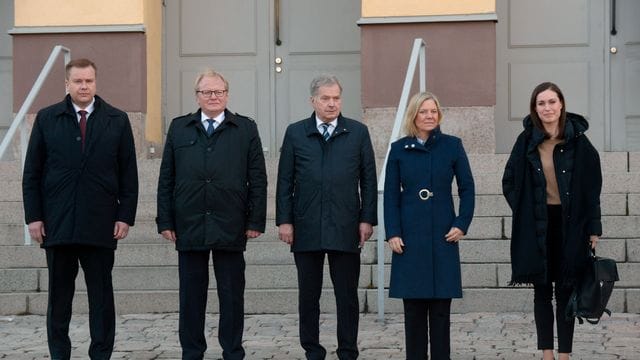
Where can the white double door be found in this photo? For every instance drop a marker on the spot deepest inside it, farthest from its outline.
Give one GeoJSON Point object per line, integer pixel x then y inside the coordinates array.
{"type": "Point", "coordinates": [269, 50]}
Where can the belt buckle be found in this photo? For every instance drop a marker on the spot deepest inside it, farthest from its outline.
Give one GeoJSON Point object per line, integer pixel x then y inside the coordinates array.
{"type": "Point", "coordinates": [425, 194]}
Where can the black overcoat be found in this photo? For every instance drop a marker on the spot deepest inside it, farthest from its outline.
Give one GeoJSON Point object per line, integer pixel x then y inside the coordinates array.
{"type": "Point", "coordinates": [211, 190]}
{"type": "Point", "coordinates": [80, 195]}
{"type": "Point", "coordinates": [579, 177]}
{"type": "Point", "coordinates": [326, 188]}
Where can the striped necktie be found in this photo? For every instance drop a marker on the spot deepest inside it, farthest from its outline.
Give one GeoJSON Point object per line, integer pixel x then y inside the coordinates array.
{"type": "Point", "coordinates": [325, 131]}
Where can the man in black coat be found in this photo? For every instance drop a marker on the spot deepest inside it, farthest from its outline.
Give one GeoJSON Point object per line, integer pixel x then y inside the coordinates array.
{"type": "Point", "coordinates": [212, 196]}
{"type": "Point", "coordinates": [80, 190]}
{"type": "Point", "coordinates": [326, 204]}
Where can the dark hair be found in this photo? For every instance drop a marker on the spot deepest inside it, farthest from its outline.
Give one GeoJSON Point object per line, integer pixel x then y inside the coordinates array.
{"type": "Point", "coordinates": [81, 64]}
{"type": "Point", "coordinates": [534, 114]}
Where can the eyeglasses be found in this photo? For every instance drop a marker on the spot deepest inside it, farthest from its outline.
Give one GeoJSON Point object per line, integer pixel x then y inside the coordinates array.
{"type": "Point", "coordinates": [209, 93]}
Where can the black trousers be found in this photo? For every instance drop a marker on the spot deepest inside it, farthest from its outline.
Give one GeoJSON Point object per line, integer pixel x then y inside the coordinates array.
{"type": "Point", "coordinates": [344, 268]}
{"type": "Point", "coordinates": [426, 319]}
{"type": "Point", "coordinates": [228, 267]}
{"type": "Point", "coordinates": [543, 293]}
{"type": "Point", "coordinates": [97, 263]}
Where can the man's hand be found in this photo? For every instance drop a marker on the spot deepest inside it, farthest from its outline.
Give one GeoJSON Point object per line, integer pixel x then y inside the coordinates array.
{"type": "Point", "coordinates": [120, 230]}
{"type": "Point", "coordinates": [285, 233]}
{"type": "Point", "coordinates": [36, 231]}
{"type": "Point", "coordinates": [366, 230]}
{"type": "Point", "coordinates": [252, 234]}
{"type": "Point", "coordinates": [169, 235]}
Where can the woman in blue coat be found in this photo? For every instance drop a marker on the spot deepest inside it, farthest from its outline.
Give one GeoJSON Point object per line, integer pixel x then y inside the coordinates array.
{"type": "Point", "coordinates": [421, 225]}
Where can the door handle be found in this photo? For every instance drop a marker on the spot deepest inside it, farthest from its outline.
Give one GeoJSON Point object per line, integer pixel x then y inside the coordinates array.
{"type": "Point", "coordinates": [276, 15]}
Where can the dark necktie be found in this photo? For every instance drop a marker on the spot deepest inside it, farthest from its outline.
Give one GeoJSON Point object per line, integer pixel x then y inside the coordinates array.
{"type": "Point", "coordinates": [83, 126]}
{"type": "Point", "coordinates": [325, 131]}
{"type": "Point", "coordinates": [210, 128]}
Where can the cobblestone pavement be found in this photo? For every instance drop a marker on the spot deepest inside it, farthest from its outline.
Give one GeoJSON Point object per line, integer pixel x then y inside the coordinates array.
{"type": "Point", "coordinates": [473, 336]}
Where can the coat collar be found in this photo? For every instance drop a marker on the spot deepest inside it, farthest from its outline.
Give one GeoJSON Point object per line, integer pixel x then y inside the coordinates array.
{"type": "Point", "coordinates": [311, 129]}
{"type": "Point", "coordinates": [194, 119]}
{"type": "Point", "coordinates": [411, 142]}
{"type": "Point", "coordinates": [97, 122]}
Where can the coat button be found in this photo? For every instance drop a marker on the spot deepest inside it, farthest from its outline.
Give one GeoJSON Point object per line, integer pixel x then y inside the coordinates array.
{"type": "Point", "coordinates": [78, 138]}
{"type": "Point", "coordinates": [561, 150]}
{"type": "Point", "coordinates": [406, 146]}
{"type": "Point", "coordinates": [413, 145]}
{"type": "Point", "coordinates": [564, 171]}
{"type": "Point", "coordinates": [208, 212]}
{"type": "Point", "coordinates": [209, 149]}
{"type": "Point", "coordinates": [208, 180]}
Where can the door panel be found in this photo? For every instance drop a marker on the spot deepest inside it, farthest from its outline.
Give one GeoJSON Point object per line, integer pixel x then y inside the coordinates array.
{"type": "Point", "coordinates": [229, 36]}
{"type": "Point", "coordinates": [319, 37]}
{"type": "Point", "coordinates": [237, 38]}
{"type": "Point", "coordinates": [624, 56]}
{"type": "Point", "coordinates": [6, 67]}
{"type": "Point", "coordinates": [536, 43]}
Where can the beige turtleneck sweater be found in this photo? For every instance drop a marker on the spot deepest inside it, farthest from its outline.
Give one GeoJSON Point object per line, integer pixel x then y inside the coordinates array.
{"type": "Point", "coordinates": [545, 149]}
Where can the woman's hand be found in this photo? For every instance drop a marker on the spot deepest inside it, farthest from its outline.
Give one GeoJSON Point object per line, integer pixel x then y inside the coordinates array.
{"type": "Point", "coordinates": [396, 244]}
{"type": "Point", "coordinates": [454, 235]}
{"type": "Point", "coordinates": [593, 239]}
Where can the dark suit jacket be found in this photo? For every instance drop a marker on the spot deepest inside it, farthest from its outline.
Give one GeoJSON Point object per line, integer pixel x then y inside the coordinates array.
{"type": "Point", "coordinates": [80, 195]}
{"type": "Point", "coordinates": [326, 188]}
{"type": "Point", "coordinates": [212, 189]}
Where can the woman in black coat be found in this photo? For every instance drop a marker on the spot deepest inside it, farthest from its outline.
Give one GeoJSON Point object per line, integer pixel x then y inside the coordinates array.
{"type": "Point", "coordinates": [552, 183]}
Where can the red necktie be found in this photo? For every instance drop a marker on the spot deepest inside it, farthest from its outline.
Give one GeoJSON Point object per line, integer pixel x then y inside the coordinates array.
{"type": "Point", "coordinates": [83, 125]}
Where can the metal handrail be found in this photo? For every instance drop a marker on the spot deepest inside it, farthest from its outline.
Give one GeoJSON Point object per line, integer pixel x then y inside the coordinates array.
{"type": "Point", "coordinates": [18, 121]}
{"type": "Point", "coordinates": [418, 56]}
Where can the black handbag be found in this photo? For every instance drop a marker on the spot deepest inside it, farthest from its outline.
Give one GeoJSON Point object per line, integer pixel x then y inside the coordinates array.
{"type": "Point", "coordinates": [589, 298]}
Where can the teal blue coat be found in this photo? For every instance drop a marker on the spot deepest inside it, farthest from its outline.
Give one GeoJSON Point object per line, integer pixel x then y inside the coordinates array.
{"type": "Point", "coordinates": [429, 267]}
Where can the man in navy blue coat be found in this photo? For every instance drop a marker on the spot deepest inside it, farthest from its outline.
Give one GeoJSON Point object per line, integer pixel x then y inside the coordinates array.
{"type": "Point", "coordinates": [80, 190]}
{"type": "Point", "coordinates": [326, 204]}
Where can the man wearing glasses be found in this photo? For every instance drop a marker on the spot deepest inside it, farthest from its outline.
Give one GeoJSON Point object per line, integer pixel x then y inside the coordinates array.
{"type": "Point", "coordinates": [212, 193]}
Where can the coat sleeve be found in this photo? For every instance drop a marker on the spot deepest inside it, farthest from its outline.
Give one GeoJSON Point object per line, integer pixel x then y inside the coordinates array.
{"type": "Point", "coordinates": [595, 223]}
{"type": "Point", "coordinates": [286, 181]}
{"type": "Point", "coordinates": [127, 176]}
{"type": "Point", "coordinates": [32, 175]}
{"type": "Point", "coordinates": [508, 178]}
{"type": "Point", "coordinates": [392, 192]}
{"type": "Point", "coordinates": [165, 218]}
{"type": "Point", "coordinates": [257, 177]}
{"type": "Point", "coordinates": [466, 190]}
{"type": "Point", "coordinates": [368, 182]}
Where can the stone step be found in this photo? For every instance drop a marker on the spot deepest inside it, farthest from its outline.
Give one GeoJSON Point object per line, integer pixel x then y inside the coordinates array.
{"type": "Point", "coordinates": [286, 302]}
{"type": "Point", "coordinates": [516, 299]}
{"type": "Point", "coordinates": [488, 251]}
{"type": "Point", "coordinates": [281, 301]}
{"type": "Point", "coordinates": [166, 278]}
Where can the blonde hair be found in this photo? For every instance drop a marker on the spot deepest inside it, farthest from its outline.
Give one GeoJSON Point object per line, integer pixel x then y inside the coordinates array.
{"type": "Point", "coordinates": [409, 124]}
{"type": "Point", "coordinates": [208, 72]}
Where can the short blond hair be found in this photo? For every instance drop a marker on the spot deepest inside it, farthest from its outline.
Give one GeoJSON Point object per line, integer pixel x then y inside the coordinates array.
{"type": "Point", "coordinates": [409, 123]}
{"type": "Point", "coordinates": [208, 72]}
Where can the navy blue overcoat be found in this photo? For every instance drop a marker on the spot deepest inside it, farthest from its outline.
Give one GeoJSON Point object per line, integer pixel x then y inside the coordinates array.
{"type": "Point", "coordinates": [429, 267]}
